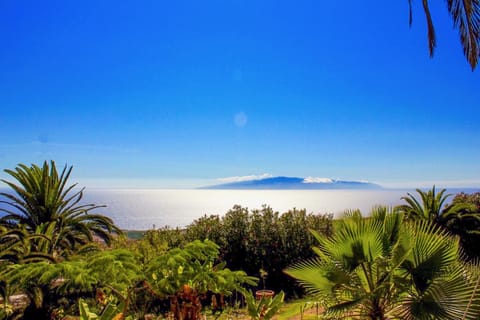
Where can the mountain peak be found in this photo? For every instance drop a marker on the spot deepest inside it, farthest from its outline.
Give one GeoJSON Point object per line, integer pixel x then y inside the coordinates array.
{"type": "Point", "coordinates": [294, 183]}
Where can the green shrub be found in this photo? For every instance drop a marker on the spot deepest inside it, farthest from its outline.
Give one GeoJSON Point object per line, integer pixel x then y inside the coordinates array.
{"type": "Point", "coordinates": [250, 240]}
{"type": "Point", "coordinates": [262, 239]}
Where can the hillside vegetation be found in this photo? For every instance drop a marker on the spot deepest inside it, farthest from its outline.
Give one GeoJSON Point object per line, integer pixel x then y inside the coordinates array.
{"type": "Point", "coordinates": [60, 259]}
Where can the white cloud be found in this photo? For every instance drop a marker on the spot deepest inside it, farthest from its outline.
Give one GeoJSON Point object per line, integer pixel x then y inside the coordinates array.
{"type": "Point", "coordinates": [245, 178]}
{"type": "Point", "coordinates": [317, 180]}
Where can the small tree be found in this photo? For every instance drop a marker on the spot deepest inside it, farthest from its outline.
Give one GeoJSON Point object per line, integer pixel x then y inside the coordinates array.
{"type": "Point", "coordinates": [185, 276]}
{"type": "Point", "coordinates": [47, 284]}
{"type": "Point", "coordinates": [264, 308]}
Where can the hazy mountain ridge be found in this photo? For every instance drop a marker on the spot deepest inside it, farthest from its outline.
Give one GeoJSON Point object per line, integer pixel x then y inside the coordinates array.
{"type": "Point", "coordinates": [294, 183]}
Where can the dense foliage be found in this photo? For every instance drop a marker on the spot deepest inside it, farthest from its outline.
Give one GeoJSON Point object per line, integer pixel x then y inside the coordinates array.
{"type": "Point", "coordinates": [42, 203]}
{"type": "Point", "coordinates": [466, 222]}
{"type": "Point", "coordinates": [61, 259]}
{"type": "Point", "coordinates": [261, 242]}
{"type": "Point", "coordinates": [54, 253]}
{"type": "Point", "coordinates": [383, 268]}
{"type": "Point", "coordinates": [461, 217]}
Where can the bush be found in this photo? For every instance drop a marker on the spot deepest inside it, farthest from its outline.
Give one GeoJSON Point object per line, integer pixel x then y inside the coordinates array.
{"type": "Point", "coordinates": [262, 242]}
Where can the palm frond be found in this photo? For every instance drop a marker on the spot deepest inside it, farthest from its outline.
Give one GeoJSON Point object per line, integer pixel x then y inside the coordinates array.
{"type": "Point", "coordinates": [346, 310]}
{"type": "Point", "coordinates": [41, 196]}
{"type": "Point", "coordinates": [446, 298]}
{"type": "Point", "coordinates": [410, 15]}
{"type": "Point", "coordinates": [466, 17]}
{"type": "Point", "coordinates": [432, 252]}
{"type": "Point", "coordinates": [318, 277]}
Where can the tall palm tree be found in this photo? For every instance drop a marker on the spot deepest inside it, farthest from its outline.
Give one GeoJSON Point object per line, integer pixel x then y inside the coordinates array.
{"type": "Point", "coordinates": [381, 268]}
{"type": "Point", "coordinates": [42, 201]}
{"type": "Point", "coordinates": [431, 206]}
{"type": "Point", "coordinates": [461, 217]}
{"type": "Point", "coordinates": [466, 18]}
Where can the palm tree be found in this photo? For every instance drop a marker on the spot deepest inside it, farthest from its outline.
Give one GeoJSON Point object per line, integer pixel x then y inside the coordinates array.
{"type": "Point", "coordinates": [466, 18]}
{"type": "Point", "coordinates": [42, 202]}
{"type": "Point", "coordinates": [461, 217]}
{"type": "Point", "coordinates": [382, 268]}
{"type": "Point", "coordinates": [431, 207]}
{"type": "Point", "coordinates": [428, 208]}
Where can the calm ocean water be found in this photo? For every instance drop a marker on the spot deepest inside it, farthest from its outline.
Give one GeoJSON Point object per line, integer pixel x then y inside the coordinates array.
{"type": "Point", "coordinates": [138, 209]}
{"type": "Point", "coordinates": [143, 209]}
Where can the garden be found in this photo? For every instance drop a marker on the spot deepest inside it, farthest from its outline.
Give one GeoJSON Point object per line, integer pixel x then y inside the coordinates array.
{"type": "Point", "coordinates": [59, 259]}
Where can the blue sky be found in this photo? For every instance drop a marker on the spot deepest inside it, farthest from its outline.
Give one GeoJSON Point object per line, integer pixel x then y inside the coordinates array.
{"type": "Point", "coordinates": [180, 93]}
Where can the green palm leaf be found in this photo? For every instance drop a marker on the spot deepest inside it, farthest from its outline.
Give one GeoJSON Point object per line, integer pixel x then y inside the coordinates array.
{"type": "Point", "coordinates": [42, 197]}
{"type": "Point", "coordinates": [383, 268]}
{"type": "Point", "coordinates": [466, 18]}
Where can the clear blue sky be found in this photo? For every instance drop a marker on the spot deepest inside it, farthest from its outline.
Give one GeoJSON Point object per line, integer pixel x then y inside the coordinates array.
{"type": "Point", "coordinates": [179, 93]}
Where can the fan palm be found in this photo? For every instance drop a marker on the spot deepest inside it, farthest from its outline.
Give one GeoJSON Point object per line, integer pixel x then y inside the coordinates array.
{"type": "Point", "coordinates": [381, 268]}
{"type": "Point", "coordinates": [42, 200]}
{"type": "Point", "coordinates": [466, 18]}
{"type": "Point", "coordinates": [438, 284]}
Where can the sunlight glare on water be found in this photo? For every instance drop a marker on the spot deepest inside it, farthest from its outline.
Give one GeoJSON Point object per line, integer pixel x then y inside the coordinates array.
{"type": "Point", "coordinates": [142, 209]}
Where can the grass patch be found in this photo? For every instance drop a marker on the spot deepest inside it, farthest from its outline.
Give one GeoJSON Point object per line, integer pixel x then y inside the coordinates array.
{"type": "Point", "coordinates": [293, 310]}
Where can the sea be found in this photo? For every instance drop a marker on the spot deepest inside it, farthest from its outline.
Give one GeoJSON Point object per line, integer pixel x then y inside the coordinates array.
{"type": "Point", "coordinates": [146, 209]}
{"type": "Point", "coordinates": [143, 209]}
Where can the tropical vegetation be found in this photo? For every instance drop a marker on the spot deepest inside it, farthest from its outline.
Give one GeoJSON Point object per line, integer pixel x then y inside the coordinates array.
{"type": "Point", "coordinates": [382, 268]}
{"type": "Point", "coordinates": [466, 18]}
{"type": "Point", "coordinates": [63, 259]}
{"type": "Point", "coordinates": [265, 307]}
{"type": "Point", "coordinates": [262, 242]}
{"type": "Point", "coordinates": [461, 217]}
{"type": "Point", "coordinates": [466, 223]}
{"type": "Point", "coordinates": [47, 210]}
{"type": "Point", "coordinates": [59, 258]}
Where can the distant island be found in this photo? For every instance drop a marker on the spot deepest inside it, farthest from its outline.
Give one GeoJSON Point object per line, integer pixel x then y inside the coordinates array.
{"type": "Point", "coordinates": [294, 183]}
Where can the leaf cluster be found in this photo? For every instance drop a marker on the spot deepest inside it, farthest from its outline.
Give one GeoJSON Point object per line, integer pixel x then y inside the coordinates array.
{"type": "Point", "coordinates": [259, 240]}
{"type": "Point", "coordinates": [195, 266]}
{"type": "Point", "coordinates": [264, 308]}
{"type": "Point", "coordinates": [45, 217]}
{"type": "Point", "coordinates": [381, 267]}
